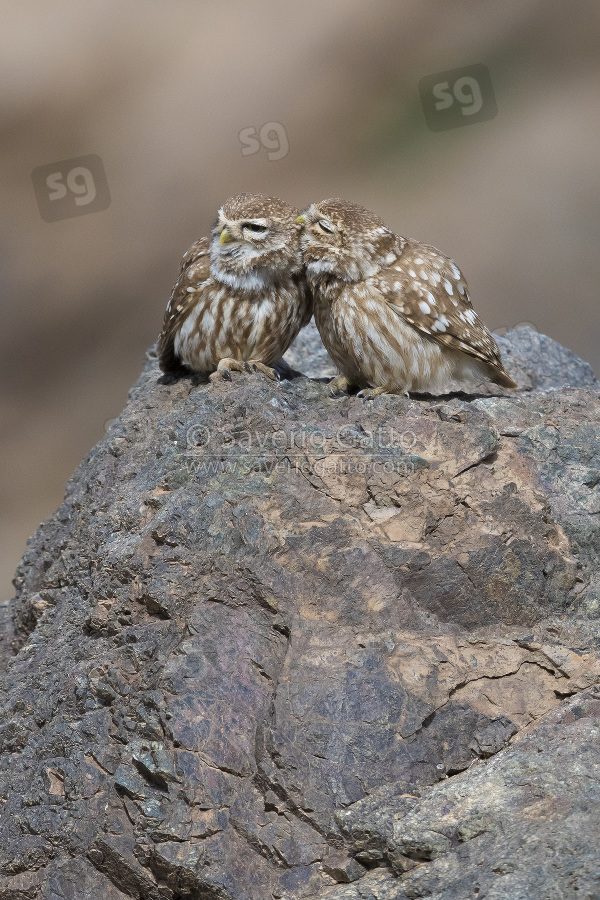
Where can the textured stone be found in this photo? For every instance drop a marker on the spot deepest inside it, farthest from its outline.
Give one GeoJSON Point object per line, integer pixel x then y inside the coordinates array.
{"type": "Point", "coordinates": [521, 825]}
{"type": "Point", "coordinates": [269, 633]}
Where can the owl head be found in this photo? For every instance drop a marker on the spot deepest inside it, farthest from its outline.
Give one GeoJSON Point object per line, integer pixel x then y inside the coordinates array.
{"type": "Point", "coordinates": [254, 239]}
{"type": "Point", "coordinates": [344, 240]}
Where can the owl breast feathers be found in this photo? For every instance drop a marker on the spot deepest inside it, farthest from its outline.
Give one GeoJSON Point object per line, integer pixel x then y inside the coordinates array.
{"type": "Point", "coordinates": [241, 298]}
{"type": "Point", "coordinates": [394, 314]}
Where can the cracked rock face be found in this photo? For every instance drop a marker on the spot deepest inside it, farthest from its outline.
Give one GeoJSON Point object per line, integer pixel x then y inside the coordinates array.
{"type": "Point", "coordinates": [279, 645]}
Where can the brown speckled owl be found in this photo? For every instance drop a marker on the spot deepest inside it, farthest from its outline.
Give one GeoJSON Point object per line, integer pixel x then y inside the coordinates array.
{"type": "Point", "coordinates": [241, 299]}
{"type": "Point", "coordinates": [394, 314]}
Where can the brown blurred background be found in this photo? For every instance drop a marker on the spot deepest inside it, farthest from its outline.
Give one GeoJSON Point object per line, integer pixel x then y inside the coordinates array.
{"type": "Point", "coordinates": [161, 90]}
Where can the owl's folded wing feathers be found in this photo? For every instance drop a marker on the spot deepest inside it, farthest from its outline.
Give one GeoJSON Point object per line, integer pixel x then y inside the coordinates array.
{"type": "Point", "coordinates": [194, 269]}
{"type": "Point", "coordinates": [429, 291]}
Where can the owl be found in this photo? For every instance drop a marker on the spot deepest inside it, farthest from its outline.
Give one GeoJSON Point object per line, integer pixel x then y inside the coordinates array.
{"type": "Point", "coordinates": [241, 298]}
{"type": "Point", "coordinates": [394, 314]}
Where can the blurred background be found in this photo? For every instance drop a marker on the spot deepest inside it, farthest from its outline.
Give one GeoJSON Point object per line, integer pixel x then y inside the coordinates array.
{"type": "Point", "coordinates": [126, 123]}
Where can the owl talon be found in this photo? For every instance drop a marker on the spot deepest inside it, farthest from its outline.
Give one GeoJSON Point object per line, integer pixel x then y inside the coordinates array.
{"type": "Point", "coordinates": [225, 368]}
{"type": "Point", "coordinates": [264, 370]}
{"type": "Point", "coordinates": [371, 393]}
{"type": "Point", "coordinates": [339, 385]}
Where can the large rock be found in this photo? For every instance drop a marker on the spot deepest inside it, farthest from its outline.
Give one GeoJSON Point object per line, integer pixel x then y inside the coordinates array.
{"type": "Point", "coordinates": [274, 643]}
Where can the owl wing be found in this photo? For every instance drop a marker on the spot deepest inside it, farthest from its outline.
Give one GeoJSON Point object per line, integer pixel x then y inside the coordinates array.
{"type": "Point", "coordinates": [429, 291]}
{"type": "Point", "coordinates": [194, 269]}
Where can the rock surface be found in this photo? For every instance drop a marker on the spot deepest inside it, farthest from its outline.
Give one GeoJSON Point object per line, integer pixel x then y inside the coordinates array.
{"type": "Point", "coordinates": [520, 825]}
{"type": "Point", "coordinates": [279, 645]}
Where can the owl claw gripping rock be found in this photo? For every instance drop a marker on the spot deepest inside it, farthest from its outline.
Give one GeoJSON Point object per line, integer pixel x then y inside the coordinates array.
{"type": "Point", "coordinates": [240, 299]}
{"type": "Point", "coordinates": [394, 314]}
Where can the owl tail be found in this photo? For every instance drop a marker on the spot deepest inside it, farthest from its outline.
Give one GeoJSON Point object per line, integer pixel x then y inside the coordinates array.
{"type": "Point", "coordinates": [499, 376]}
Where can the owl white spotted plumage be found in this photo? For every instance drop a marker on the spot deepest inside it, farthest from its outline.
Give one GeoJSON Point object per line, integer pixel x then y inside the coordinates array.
{"type": "Point", "coordinates": [240, 299]}
{"type": "Point", "coordinates": [394, 314]}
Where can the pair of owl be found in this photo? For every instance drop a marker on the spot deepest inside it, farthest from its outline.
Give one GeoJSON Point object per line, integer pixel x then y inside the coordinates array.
{"type": "Point", "coordinates": [394, 314]}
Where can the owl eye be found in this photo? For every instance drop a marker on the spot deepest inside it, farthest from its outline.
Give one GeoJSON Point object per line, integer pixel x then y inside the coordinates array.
{"type": "Point", "coordinates": [324, 226]}
{"type": "Point", "coordinates": [253, 226]}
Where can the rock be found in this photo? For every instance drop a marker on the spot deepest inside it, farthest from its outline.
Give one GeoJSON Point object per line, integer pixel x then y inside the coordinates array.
{"type": "Point", "coordinates": [308, 355]}
{"type": "Point", "coordinates": [342, 868]}
{"type": "Point", "coordinates": [525, 824]}
{"type": "Point", "coordinates": [536, 360]}
{"type": "Point", "coordinates": [271, 639]}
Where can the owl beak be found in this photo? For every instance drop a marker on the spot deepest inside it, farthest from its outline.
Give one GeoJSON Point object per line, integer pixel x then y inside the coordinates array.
{"type": "Point", "coordinates": [225, 237]}
{"type": "Point", "coordinates": [301, 219]}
